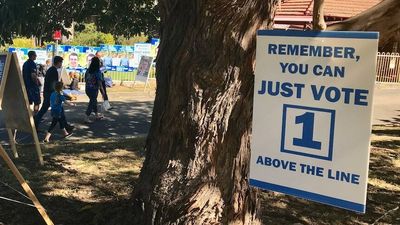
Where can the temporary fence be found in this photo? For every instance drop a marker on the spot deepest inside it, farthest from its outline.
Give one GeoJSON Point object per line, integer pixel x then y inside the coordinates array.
{"type": "Point", "coordinates": [120, 75]}
{"type": "Point", "coordinates": [388, 67]}
{"type": "Point", "coordinates": [387, 70]}
{"type": "Point", "coordinates": [127, 76]}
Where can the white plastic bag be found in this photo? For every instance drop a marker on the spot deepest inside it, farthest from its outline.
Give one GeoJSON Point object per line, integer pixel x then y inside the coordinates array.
{"type": "Point", "coordinates": [105, 106]}
{"type": "Point", "coordinates": [41, 80]}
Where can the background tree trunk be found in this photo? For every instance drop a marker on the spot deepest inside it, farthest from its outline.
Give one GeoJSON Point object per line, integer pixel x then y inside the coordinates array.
{"type": "Point", "coordinates": [384, 17]}
{"type": "Point", "coordinates": [318, 15]}
{"type": "Point", "coordinates": [198, 150]}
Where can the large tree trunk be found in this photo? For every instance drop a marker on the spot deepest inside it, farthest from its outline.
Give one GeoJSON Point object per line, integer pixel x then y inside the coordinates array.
{"type": "Point", "coordinates": [198, 150]}
{"type": "Point", "coordinates": [384, 17]}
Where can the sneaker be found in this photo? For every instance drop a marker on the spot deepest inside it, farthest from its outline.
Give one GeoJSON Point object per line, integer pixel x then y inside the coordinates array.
{"type": "Point", "coordinates": [45, 141]}
{"type": "Point", "coordinates": [68, 135]}
{"type": "Point", "coordinates": [70, 128]}
{"type": "Point", "coordinates": [99, 117]}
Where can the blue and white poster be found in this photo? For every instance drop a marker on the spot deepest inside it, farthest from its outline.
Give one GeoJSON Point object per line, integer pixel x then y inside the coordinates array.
{"type": "Point", "coordinates": [313, 98]}
{"type": "Point", "coordinates": [141, 49]}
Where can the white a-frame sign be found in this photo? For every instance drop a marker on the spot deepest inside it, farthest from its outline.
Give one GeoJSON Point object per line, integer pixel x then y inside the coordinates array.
{"type": "Point", "coordinates": [14, 101]}
{"type": "Point", "coordinates": [143, 72]}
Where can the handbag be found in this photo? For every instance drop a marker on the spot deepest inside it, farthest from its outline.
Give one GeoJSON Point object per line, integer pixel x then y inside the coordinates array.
{"type": "Point", "coordinates": [105, 106]}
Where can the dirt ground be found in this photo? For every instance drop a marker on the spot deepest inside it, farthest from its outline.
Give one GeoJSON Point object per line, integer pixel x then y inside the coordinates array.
{"type": "Point", "coordinates": [78, 181]}
{"type": "Point", "coordinates": [90, 182]}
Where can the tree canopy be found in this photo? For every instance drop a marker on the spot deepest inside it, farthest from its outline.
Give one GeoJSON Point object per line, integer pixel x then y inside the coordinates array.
{"type": "Point", "coordinates": [41, 17]}
{"type": "Point", "coordinates": [91, 37]}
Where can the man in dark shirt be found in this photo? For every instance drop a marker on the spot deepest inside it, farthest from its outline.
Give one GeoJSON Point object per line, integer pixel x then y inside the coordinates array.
{"type": "Point", "coordinates": [31, 80]}
{"type": "Point", "coordinates": [50, 80]}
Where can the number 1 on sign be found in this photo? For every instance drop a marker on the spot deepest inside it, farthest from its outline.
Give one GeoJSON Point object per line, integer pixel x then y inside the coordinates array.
{"type": "Point", "coordinates": [307, 119]}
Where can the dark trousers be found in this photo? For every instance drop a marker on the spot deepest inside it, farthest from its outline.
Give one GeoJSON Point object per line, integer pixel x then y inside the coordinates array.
{"type": "Point", "coordinates": [45, 107]}
{"type": "Point", "coordinates": [92, 106]}
{"type": "Point", "coordinates": [61, 120]}
{"type": "Point", "coordinates": [104, 91]}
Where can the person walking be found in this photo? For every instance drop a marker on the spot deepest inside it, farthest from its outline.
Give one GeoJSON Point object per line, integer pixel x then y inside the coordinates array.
{"type": "Point", "coordinates": [31, 80]}
{"type": "Point", "coordinates": [103, 91]}
{"type": "Point", "coordinates": [57, 100]}
{"type": "Point", "coordinates": [93, 85]}
{"type": "Point", "coordinates": [50, 80]}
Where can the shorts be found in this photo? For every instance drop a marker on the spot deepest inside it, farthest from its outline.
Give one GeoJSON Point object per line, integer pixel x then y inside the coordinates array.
{"type": "Point", "coordinates": [34, 96]}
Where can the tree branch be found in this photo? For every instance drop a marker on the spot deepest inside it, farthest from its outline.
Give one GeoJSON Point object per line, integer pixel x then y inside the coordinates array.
{"type": "Point", "coordinates": [384, 17]}
{"type": "Point", "coordinates": [318, 15]}
{"type": "Point", "coordinates": [381, 217]}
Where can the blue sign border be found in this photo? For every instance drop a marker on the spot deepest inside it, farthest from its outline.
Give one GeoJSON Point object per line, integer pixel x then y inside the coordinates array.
{"type": "Point", "coordinates": [310, 196]}
{"type": "Point", "coordinates": [324, 34]}
{"type": "Point", "coordinates": [331, 132]}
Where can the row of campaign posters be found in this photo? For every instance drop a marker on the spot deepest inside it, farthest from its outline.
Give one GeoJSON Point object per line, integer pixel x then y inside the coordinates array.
{"type": "Point", "coordinates": [120, 58]}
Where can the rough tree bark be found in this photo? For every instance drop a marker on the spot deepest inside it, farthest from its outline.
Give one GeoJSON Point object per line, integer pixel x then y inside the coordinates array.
{"type": "Point", "coordinates": [384, 17]}
{"type": "Point", "coordinates": [197, 159]}
{"type": "Point", "coordinates": [318, 15]}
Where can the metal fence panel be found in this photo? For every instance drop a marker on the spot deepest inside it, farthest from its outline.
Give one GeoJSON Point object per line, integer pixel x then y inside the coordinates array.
{"type": "Point", "coordinates": [121, 76]}
{"type": "Point", "coordinates": [388, 67]}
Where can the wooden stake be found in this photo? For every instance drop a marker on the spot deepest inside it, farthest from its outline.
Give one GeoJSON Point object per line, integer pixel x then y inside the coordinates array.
{"type": "Point", "coordinates": [12, 142]}
{"type": "Point", "coordinates": [37, 144]}
{"type": "Point", "coordinates": [25, 186]}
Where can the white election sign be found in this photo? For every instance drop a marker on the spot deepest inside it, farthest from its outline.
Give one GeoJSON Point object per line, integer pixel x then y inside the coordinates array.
{"type": "Point", "coordinates": [312, 115]}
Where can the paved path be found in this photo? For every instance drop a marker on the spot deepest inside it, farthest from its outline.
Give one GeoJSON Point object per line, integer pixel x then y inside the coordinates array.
{"type": "Point", "coordinates": [386, 109]}
{"type": "Point", "coordinates": [131, 116]}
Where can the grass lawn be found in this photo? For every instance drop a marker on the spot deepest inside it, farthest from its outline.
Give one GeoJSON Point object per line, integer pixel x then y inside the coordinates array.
{"type": "Point", "coordinates": [90, 183]}
{"type": "Point", "coordinates": [130, 76]}
{"type": "Point", "coordinates": [126, 76]}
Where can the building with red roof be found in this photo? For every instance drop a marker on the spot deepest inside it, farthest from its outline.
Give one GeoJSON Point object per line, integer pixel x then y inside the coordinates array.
{"type": "Point", "coordinates": [297, 14]}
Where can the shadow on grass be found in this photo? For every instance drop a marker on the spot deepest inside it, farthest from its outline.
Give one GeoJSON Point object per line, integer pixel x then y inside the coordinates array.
{"type": "Point", "coordinates": [81, 183]}
{"type": "Point", "coordinates": [391, 144]}
{"type": "Point", "coordinates": [90, 184]}
{"type": "Point", "coordinates": [387, 131]}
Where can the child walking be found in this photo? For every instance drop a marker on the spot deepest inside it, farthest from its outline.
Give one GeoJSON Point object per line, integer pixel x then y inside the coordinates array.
{"type": "Point", "coordinates": [57, 100]}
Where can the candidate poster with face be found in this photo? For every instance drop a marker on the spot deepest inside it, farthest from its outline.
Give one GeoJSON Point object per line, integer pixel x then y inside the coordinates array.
{"type": "Point", "coordinates": [144, 68]}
